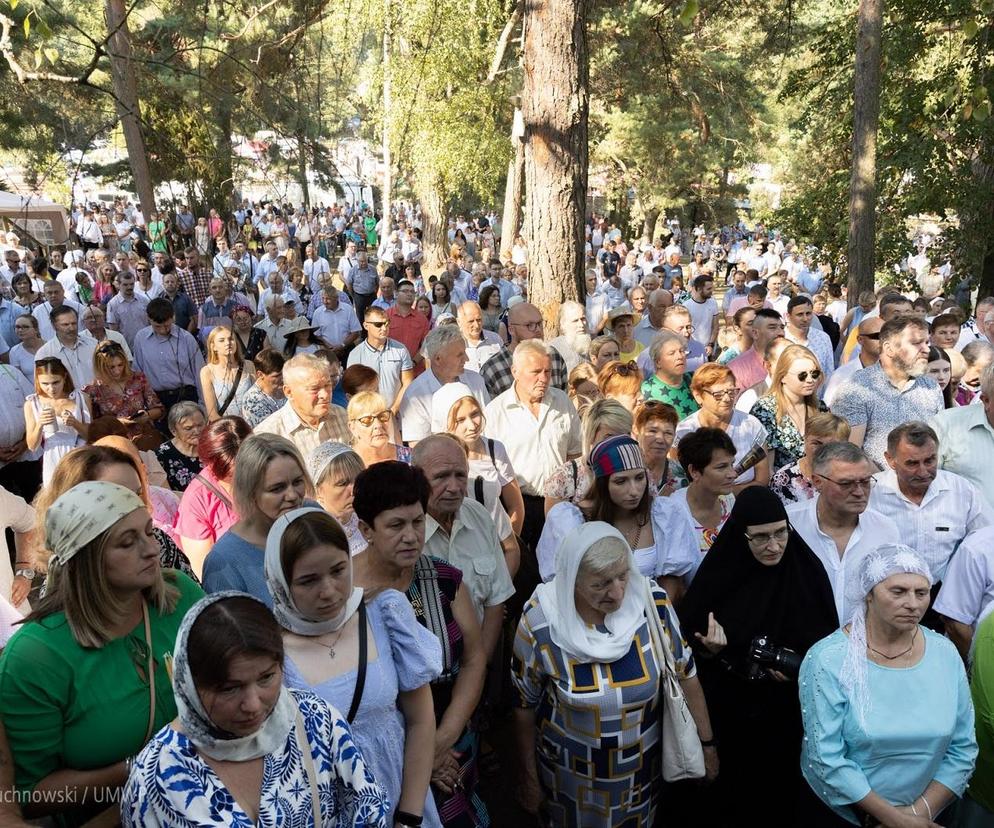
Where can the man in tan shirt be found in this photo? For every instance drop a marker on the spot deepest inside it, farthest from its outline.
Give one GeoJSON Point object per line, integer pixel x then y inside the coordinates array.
{"type": "Point", "coordinates": [309, 418]}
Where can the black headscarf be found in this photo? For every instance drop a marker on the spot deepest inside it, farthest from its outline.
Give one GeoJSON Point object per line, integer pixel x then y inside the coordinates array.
{"type": "Point", "coordinates": [791, 602]}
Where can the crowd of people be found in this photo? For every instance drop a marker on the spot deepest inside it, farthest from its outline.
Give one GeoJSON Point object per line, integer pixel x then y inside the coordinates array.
{"type": "Point", "coordinates": [307, 538]}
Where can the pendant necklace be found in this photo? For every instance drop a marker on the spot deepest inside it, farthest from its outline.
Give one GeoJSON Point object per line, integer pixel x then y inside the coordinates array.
{"type": "Point", "coordinates": [895, 657]}
{"type": "Point", "coordinates": [331, 647]}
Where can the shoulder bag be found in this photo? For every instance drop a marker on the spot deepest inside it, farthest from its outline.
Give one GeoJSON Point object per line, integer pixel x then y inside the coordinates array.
{"type": "Point", "coordinates": [683, 756]}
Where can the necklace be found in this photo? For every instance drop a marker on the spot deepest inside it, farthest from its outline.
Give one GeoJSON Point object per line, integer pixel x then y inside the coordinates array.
{"type": "Point", "coordinates": [895, 657]}
{"type": "Point", "coordinates": [634, 543]}
{"type": "Point", "coordinates": [331, 647]}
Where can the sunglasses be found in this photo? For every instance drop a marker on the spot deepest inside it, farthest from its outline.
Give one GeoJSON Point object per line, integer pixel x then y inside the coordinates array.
{"type": "Point", "coordinates": [803, 375]}
{"type": "Point", "coordinates": [378, 324]}
{"type": "Point", "coordinates": [384, 417]}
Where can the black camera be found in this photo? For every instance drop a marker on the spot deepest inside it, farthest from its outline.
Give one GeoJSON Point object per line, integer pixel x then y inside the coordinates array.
{"type": "Point", "coordinates": [763, 655]}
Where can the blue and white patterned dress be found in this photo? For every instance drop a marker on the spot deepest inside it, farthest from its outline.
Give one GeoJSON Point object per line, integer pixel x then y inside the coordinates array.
{"type": "Point", "coordinates": [171, 785]}
{"type": "Point", "coordinates": [598, 741]}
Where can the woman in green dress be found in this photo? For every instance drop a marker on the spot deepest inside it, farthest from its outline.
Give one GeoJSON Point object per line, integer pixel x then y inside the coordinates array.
{"type": "Point", "coordinates": [84, 683]}
{"type": "Point", "coordinates": [369, 223]}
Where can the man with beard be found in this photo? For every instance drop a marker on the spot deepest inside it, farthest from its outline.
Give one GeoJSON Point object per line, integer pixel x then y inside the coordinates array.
{"type": "Point", "coordinates": [573, 342]}
{"type": "Point", "coordinates": [895, 390]}
{"type": "Point", "coordinates": [480, 344]}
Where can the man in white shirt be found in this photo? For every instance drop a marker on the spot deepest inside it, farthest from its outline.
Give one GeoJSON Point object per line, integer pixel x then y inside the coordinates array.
{"type": "Point", "coordinates": [703, 312]}
{"type": "Point", "coordinates": [88, 231]}
{"type": "Point", "coordinates": [869, 353]}
{"type": "Point", "coordinates": [800, 313]}
{"type": "Point", "coordinates": [55, 297]}
{"type": "Point", "coordinates": [837, 525]}
{"type": "Point", "coordinates": [74, 351]}
{"type": "Point", "coordinates": [278, 286]}
{"type": "Point", "coordinates": [314, 266]}
{"type": "Point", "coordinates": [480, 344]}
{"type": "Point", "coordinates": [336, 322]}
{"type": "Point", "coordinates": [274, 323]}
{"type": "Point", "coordinates": [540, 430]}
{"type": "Point", "coordinates": [348, 261]}
{"type": "Point", "coordinates": [778, 301]}
{"type": "Point", "coordinates": [126, 312]}
{"type": "Point", "coordinates": [388, 357]}
{"type": "Point", "coordinates": [267, 262]}
{"type": "Point", "coordinates": [933, 509]}
{"type": "Point", "coordinates": [446, 349]}
{"type": "Point", "coordinates": [967, 591]}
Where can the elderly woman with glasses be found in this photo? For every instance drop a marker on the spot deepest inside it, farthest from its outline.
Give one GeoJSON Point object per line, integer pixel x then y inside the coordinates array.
{"type": "Point", "coordinates": [713, 387]}
{"type": "Point", "coordinates": [670, 381]}
{"type": "Point", "coordinates": [122, 393]}
{"type": "Point", "coordinates": [372, 428]}
{"type": "Point", "coordinates": [759, 581]}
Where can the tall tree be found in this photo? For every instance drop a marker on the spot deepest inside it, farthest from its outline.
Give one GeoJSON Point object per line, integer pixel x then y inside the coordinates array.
{"type": "Point", "coordinates": [555, 107]}
{"type": "Point", "coordinates": [866, 122]}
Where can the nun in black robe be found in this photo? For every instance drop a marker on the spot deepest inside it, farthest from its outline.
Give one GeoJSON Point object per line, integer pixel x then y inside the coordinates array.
{"type": "Point", "coordinates": [755, 716]}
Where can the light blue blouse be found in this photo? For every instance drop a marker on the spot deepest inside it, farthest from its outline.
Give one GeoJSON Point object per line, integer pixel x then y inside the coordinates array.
{"type": "Point", "coordinates": [408, 656]}
{"type": "Point", "coordinates": [234, 563]}
{"type": "Point", "coordinates": [919, 727]}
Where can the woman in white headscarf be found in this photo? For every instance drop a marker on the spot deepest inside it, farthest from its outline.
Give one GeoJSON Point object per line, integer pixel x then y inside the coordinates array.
{"type": "Point", "coordinates": [588, 680]}
{"type": "Point", "coordinates": [372, 660]}
{"type": "Point", "coordinates": [245, 750]}
{"type": "Point", "coordinates": [84, 681]}
{"type": "Point", "coordinates": [888, 719]}
{"type": "Point", "coordinates": [334, 468]}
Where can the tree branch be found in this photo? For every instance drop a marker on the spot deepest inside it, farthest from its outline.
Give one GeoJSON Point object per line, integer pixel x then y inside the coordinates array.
{"type": "Point", "coordinates": [504, 40]}
{"type": "Point", "coordinates": [24, 75]}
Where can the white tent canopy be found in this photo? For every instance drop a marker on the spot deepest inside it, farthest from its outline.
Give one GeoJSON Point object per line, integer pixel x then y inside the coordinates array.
{"type": "Point", "coordinates": [44, 221]}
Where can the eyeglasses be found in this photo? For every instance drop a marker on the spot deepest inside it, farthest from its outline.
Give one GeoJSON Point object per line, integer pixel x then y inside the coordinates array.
{"type": "Point", "coordinates": [727, 394]}
{"type": "Point", "coordinates": [377, 324]}
{"type": "Point", "coordinates": [762, 539]}
{"type": "Point", "coordinates": [532, 326]}
{"type": "Point", "coordinates": [383, 417]}
{"type": "Point", "coordinates": [803, 375]}
{"type": "Point", "coordinates": [851, 485]}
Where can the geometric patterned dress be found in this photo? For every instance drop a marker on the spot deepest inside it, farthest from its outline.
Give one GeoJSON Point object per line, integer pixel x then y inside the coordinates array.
{"type": "Point", "coordinates": [597, 743]}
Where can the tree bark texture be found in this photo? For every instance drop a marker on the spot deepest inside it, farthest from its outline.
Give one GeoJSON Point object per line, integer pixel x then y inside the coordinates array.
{"type": "Point", "coordinates": [122, 71]}
{"type": "Point", "coordinates": [649, 224]}
{"type": "Point", "coordinates": [387, 106]}
{"type": "Point", "coordinates": [866, 119]}
{"type": "Point", "coordinates": [515, 189]}
{"type": "Point", "coordinates": [434, 228]}
{"type": "Point", "coordinates": [555, 105]}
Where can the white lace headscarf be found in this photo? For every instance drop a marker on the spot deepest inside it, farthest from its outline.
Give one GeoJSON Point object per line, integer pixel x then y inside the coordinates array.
{"type": "Point", "coordinates": [889, 559]}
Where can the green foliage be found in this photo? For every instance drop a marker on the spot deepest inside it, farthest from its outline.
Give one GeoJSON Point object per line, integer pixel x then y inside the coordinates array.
{"type": "Point", "coordinates": [934, 141]}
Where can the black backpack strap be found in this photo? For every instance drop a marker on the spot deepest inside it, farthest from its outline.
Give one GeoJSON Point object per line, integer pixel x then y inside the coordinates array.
{"type": "Point", "coordinates": [478, 490]}
{"type": "Point", "coordinates": [360, 681]}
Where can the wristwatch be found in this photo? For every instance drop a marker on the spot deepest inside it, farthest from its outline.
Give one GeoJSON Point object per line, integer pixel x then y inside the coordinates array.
{"type": "Point", "coordinates": [25, 573]}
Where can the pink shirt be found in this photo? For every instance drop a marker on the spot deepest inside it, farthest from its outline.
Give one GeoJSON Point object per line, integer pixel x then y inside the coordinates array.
{"type": "Point", "coordinates": [202, 515]}
{"type": "Point", "coordinates": [748, 369]}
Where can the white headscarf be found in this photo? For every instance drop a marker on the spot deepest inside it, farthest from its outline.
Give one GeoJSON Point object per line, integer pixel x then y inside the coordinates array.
{"type": "Point", "coordinates": [197, 724]}
{"type": "Point", "coordinates": [567, 629]}
{"type": "Point", "coordinates": [284, 609]}
{"type": "Point", "coordinates": [83, 513]}
{"type": "Point", "coordinates": [878, 565]}
{"type": "Point", "coordinates": [443, 400]}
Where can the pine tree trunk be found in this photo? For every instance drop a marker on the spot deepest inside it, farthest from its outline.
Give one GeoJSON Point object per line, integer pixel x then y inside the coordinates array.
{"type": "Point", "coordinates": [555, 105]}
{"type": "Point", "coordinates": [514, 191]}
{"type": "Point", "coordinates": [649, 224]}
{"type": "Point", "coordinates": [125, 85]}
{"type": "Point", "coordinates": [866, 118]}
{"type": "Point", "coordinates": [387, 106]}
{"type": "Point", "coordinates": [434, 229]}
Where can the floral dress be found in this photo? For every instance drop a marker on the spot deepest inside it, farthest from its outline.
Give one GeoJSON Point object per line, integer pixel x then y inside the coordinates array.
{"type": "Point", "coordinates": [171, 785]}
{"type": "Point", "coordinates": [180, 469]}
{"type": "Point", "coordinates": [783, 438]}
{"type": "Point", "coordinates": [791, 486]}
{"type": "Point", "coordinates": [137, 396]}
